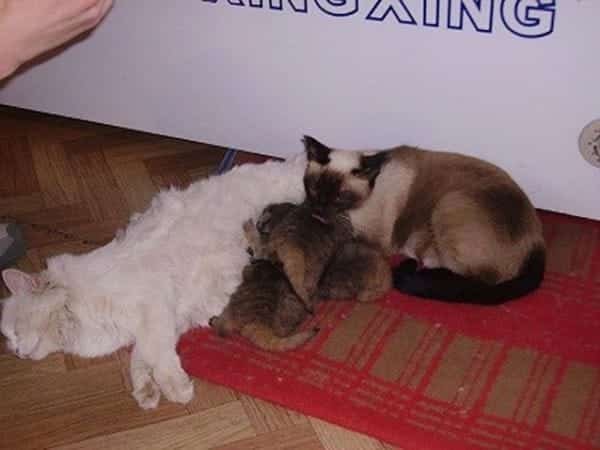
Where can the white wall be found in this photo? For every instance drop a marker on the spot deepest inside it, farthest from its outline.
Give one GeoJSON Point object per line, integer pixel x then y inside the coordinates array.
{"type": "Point", "coordinates": [257, 78]}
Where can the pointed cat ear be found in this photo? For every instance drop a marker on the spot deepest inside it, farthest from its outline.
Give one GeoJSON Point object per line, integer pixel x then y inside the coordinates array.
{"type": "Point", "coordinates": [315, 151]}
{"type": "Point", "coordinates": [370, 166]}
{"type": "Point", "coordinates": [19, 282]}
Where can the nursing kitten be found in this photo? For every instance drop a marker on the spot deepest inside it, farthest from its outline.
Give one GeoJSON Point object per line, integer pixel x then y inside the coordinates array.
{"type": "Point", "coordinates": [301, 241]}
{"type": "Point", "coordinates": [289, 243]}
{"type": "Point", "coordinates": [471, 232]}
{"type": "Point", "coordinates": [358, 270]}
{"type": "Point", "coordinates": [265, 310]}
{"type": "Point", "coordinates": [333, 263]}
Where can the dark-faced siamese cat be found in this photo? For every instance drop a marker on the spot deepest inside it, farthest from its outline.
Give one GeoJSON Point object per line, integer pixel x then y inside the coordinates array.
{"type": "Point", "coordinates": [469, 231]}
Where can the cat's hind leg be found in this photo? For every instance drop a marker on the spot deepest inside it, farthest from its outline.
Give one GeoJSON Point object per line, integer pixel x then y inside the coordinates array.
{"type": "Point", "coordinates": [156, 342]}
{"type": "Point", "coordinates": [145, 390]}
{"type": "Point", "coordinates": [294, 265]}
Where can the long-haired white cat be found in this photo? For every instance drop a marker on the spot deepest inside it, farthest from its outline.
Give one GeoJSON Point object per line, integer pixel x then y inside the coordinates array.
{"type": "Point", "coordinates": [173, 268]}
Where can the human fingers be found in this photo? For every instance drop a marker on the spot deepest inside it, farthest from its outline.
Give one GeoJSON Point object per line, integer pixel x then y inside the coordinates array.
{"type": "Point", "coordinates": [90, 17]}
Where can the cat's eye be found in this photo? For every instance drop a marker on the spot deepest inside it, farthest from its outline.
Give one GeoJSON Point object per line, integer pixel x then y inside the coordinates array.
{"type": "Point", "coordinates": [362, 172]}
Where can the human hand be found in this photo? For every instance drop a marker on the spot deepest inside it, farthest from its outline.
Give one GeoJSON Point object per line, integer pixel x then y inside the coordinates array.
{"type": "Point", "coordinates": [29, 28]}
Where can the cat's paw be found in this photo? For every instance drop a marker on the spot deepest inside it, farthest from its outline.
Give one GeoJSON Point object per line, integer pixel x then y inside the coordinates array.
{"type": "Point", "coordinates": [148, 395]}
{"type": "Point", "coordinates": [178, 388]}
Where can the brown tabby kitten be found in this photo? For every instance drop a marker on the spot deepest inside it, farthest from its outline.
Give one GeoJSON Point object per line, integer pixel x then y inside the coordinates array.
{"type": "Point", "coordinates": [465, 221]}
{"type": "Point", "coordinates": [300, 241]}
{"type": "Point", "coordinates": [327, 261]}
{"type": "Point", "coordinates": [264, 309]}
{"type": "Point", "coordinates": [358, 270]}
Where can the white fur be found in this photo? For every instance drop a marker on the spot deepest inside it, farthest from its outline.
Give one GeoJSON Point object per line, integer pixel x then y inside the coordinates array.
{"type": "Point", "coordinates": [344, 161]}
{"type": "Point", "coordinates": [173, 268]}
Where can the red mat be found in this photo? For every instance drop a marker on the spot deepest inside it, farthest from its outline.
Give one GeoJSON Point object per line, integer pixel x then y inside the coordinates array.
{"type": "Point", "coordinates": [427, 375]}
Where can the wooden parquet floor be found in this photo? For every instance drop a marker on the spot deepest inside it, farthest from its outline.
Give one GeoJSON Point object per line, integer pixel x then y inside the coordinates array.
{"type": "Point", "coordinates": [71, 185]}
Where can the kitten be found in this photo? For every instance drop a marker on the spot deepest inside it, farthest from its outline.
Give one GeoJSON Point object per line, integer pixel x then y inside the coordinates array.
{"type": "Point", "coordinates": [358, 270]}
{"type": "Point", "coordinates": [465, 221]}
{"type": "Point", "coordinates": [265, 310]}
{"type": "Point", "coordinates": [288, 239]}
{"type": "Point", "coordinates": [333, 263]}
{"type": "Point", "coordinates": [174, 267]}
{"type": "Point", "coordinates": [300, 241]}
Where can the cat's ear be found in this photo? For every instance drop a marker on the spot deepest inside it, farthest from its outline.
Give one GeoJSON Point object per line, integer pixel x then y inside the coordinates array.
{"type": "Point", "coordinates": [20, 283]}
{"type": "Point", "coordinates": [315, 151]}
{"type": "Point", "coordinates": [370, 166]}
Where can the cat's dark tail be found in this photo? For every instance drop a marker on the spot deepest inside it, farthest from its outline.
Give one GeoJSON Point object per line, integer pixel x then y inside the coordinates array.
{"type": "Point", "coordinates": [444, 285]}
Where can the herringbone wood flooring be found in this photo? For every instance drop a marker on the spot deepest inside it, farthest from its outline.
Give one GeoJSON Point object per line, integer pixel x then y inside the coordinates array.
{"type": "Point", "coordinates": [71, 185]}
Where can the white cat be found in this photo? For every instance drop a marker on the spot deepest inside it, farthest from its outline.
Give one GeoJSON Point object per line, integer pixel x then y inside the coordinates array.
{"type": "Point", "coordinates": [173, 268]}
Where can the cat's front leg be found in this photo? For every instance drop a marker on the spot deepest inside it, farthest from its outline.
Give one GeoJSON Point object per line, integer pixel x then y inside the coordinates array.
{"type": "Point", "coordinates": [156, 341]}
{"type": "Point", "coordinates": [174, 383]}
{"type": "Point", "coordinates": [145, 390]}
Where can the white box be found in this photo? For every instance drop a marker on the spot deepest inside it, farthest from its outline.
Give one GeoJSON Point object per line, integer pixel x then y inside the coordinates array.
{"type": "Point", "coordinates": [512, 81]}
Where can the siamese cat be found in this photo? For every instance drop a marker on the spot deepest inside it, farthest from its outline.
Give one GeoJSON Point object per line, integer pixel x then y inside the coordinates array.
{"type": "Point", "coordinates": [470, 233]}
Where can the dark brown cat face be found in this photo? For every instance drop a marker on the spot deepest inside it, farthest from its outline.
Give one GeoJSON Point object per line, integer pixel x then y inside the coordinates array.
{"type": "Point", "coordinates": [338, 180]}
